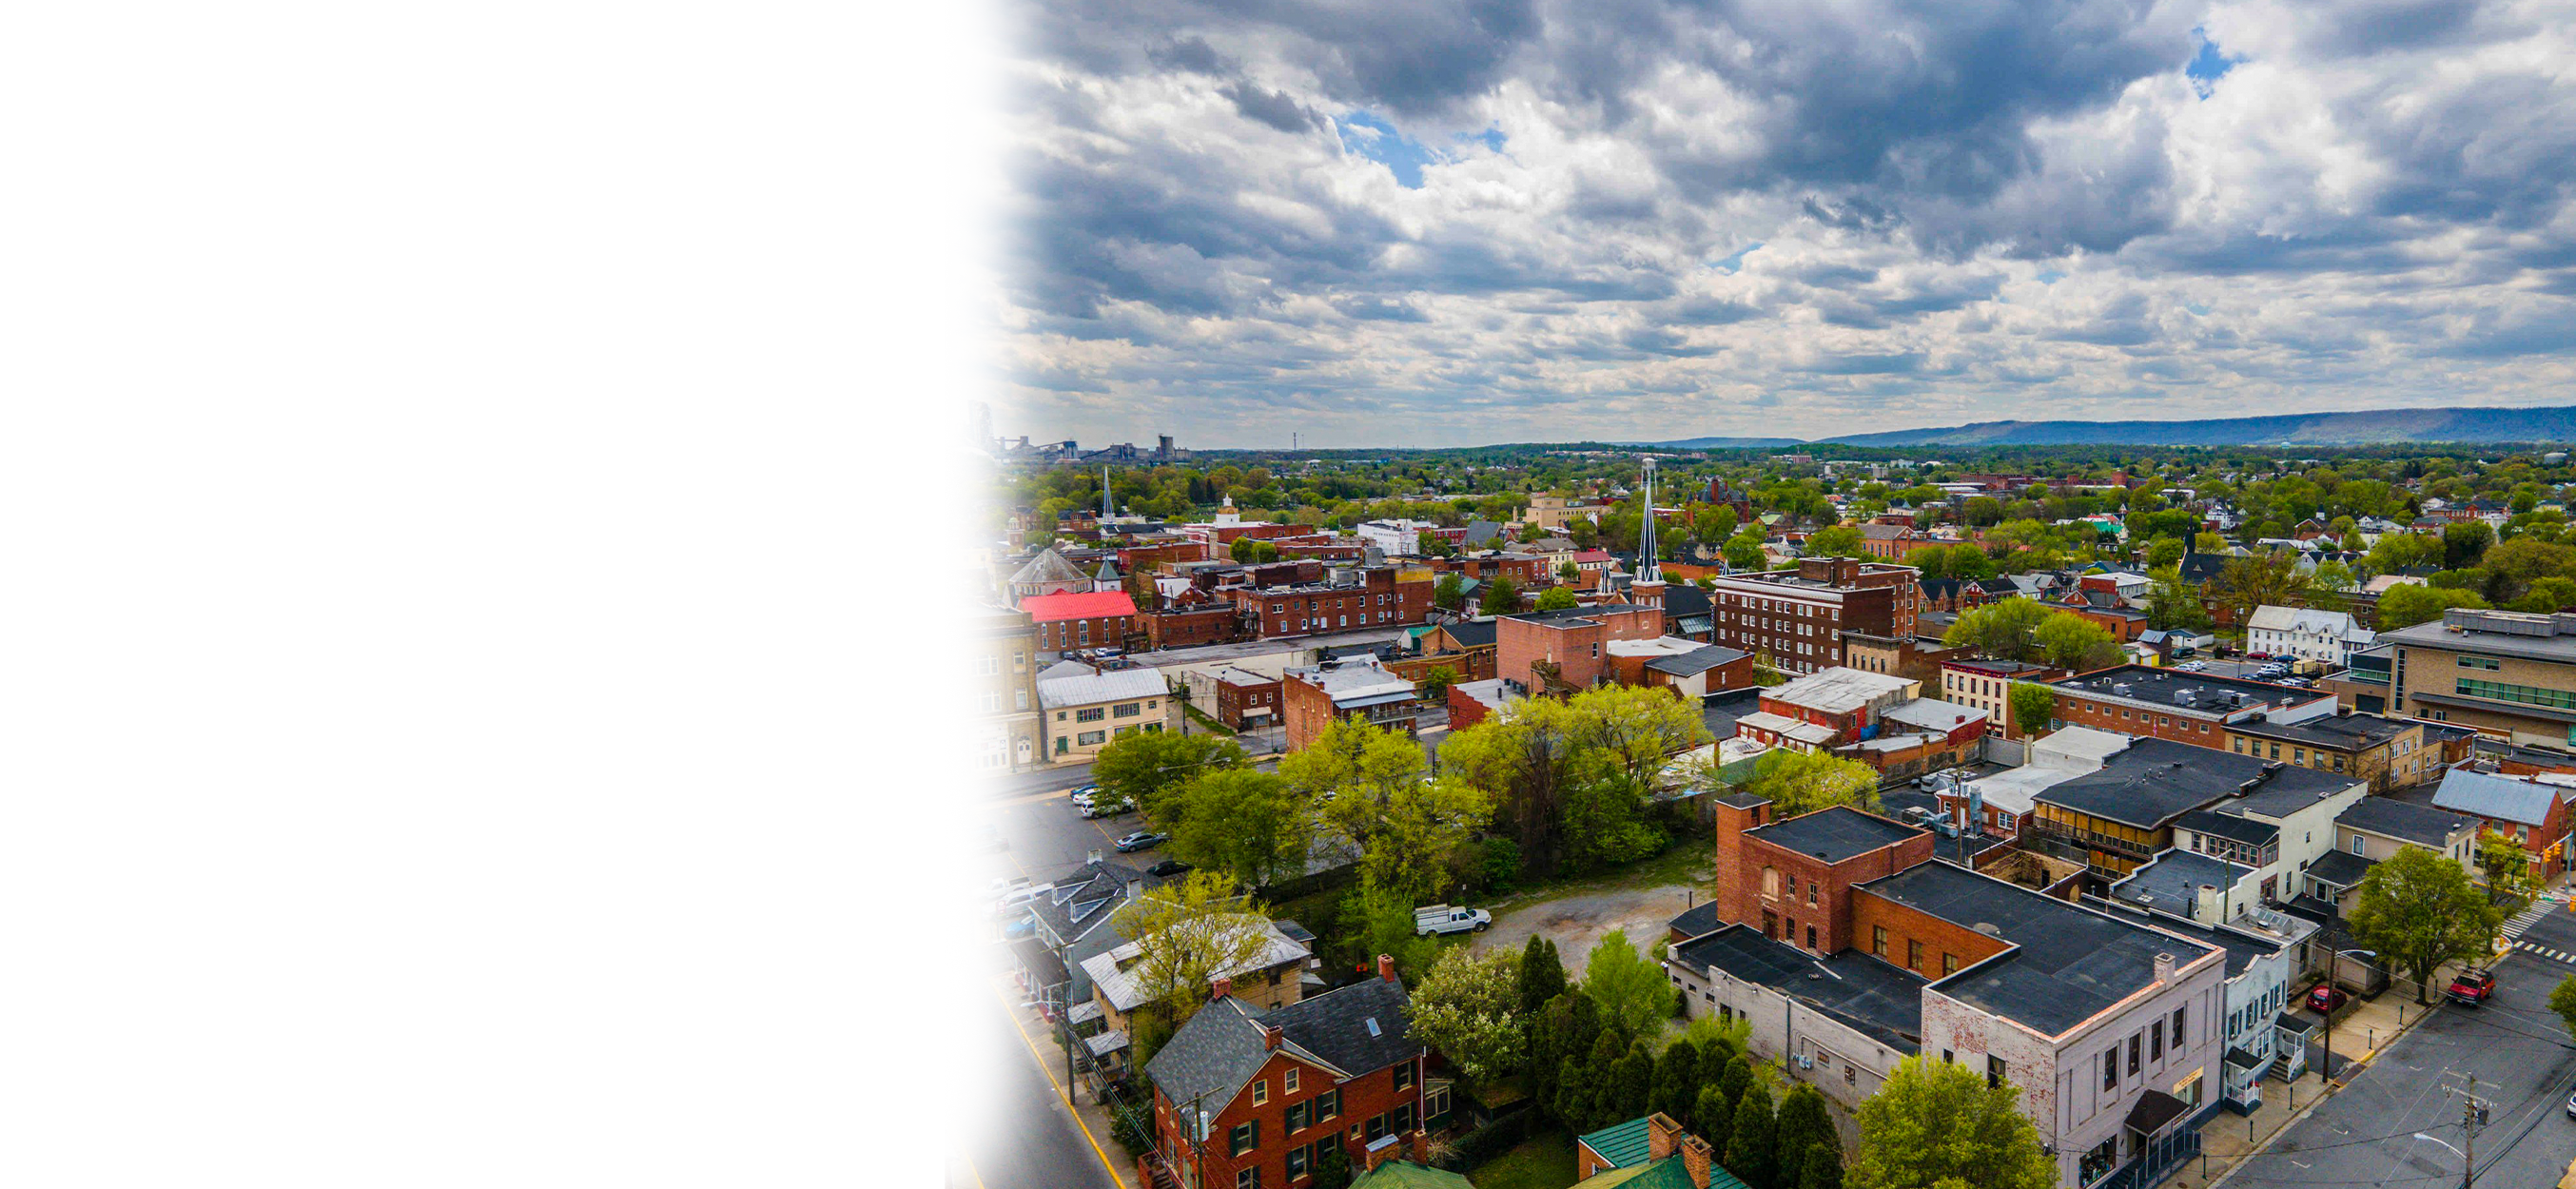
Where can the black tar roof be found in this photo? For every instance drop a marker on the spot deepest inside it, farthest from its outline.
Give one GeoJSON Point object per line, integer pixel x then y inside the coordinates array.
{"type": "Point", "coordinates": [1870, 995]}
{"type": "Point", "coordinates": [2172, 882]}
{"type": "Point", "coordinates": [1697, 660]}
{"type": "Point", "coordinates": [1699, 921]}
{"type": "Point", "coordinates": [2242, 948]}
{"type": "Point", "coordinates": [2154, 781]}
{"type": "Point", "coordinates": [2068, 963]}
{"type": "Point", "coordinates": [2342, 868]}
{"type": "Point", "coordinates": [1471, 633]}
{"type": "Point", "coordinates": [1834, 834]}
{"type": "Point", "coordinates": [2212, 695]}
{"type": "Point", "coordinates": [2230, 826]}
{"type": "Point", "coordinates": [2403, 819]}
{"type": "Point", "coordinates": [2341, 732]}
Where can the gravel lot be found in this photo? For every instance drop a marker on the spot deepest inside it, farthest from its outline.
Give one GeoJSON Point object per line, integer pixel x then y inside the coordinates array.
{"type": "Point", "coordinates": [1575, 923]}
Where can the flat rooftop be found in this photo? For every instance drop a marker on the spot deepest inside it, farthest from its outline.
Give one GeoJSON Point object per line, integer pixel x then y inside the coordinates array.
{"type": "Point", "coordinates": [1872, 996]}
{"type": "Point", "coordinates": [2497, 633]}
{"type": "Point", "coordinates": [2341, 732]}
{"type": "Point", "coordinates": [1837, 690]}
{"type": "Point", "coordinates": [1247, 649]}
{"type": "Point", "coordinates": [2156, 781]}
{"type": "Point", "coordinates": [1834, 834]}
{"type": "Point", "coordinates": [2201, 693]}
{"type": "Point", "coordinates": [2068, 963]}
{"type": "Point", "coordinates": [2173, 879]}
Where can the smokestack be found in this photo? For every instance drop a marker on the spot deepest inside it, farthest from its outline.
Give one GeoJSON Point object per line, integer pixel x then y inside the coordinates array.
{"type": "Point", "coordinates": [1386, 967]}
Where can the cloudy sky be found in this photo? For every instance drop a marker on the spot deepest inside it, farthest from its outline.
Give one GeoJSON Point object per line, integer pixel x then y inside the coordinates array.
{"type": "Point", "coordinates": [1449, 222]}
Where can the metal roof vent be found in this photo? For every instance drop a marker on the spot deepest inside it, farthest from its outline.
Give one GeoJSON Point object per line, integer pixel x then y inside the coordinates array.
{"type": "Point", "coordinates": [1988, 928]}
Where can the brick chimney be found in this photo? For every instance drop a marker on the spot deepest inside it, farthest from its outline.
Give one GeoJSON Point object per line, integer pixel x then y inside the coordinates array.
{"type": "Point", "coordinates": [1386, 967]}
{"type": "Point", "coordinates": [1418, 1145]}
{"type": "Point", "coordinates": [2164, 968]}
{"type": "Point", "coordinates": [1663, 1135]}
{"type": "Point", "coordinates": [1220, 987]}
{"type": "Point", "coordinates": [1696, 1159]}
{"type": "Point", "coordinates": [1269, 1037]}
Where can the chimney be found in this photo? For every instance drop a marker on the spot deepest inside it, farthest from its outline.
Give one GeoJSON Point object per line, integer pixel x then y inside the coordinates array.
{"type": "Point", "coordinates": [1095, 855]}
{"type": "Point", "coordinates": [1419, 1144]}
{"type": "Point", "coordinates": [1223, 986]}
{"type": "Point", "coordinates": [1696, 1159]}
{"type": "Point", "coordinates": [2164, 968]}
{"type": "Point", "coordinates": [1663, 1135]}
{"type": "Point", "coordinates": [1269, 1038]}
{"type": "Point", "coordinates": [1386, 967]}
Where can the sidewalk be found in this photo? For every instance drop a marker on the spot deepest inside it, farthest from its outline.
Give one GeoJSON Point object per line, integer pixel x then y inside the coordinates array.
{"type": "Point", "coordinates": [2359, 1037]}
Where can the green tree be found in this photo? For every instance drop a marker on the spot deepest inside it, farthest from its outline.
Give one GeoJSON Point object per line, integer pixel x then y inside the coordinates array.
{"type": "Point", "coordinates": [1713, 523]}
{"type": "Point", "coordinates": [1591, 1097]}
{"type": "Point", "coordinates": [1932, 560]}
{"type": "Point", "coordinates": [2164, 551]}
{"type": "Point", "coordinates": [2033, 705]}
{"type": "Point", "coordinates": [1751, 1152]}
{"type": "Point", "coordinates": [2173, 603]}
{"type": "Point", "coordinates": [2399, 552]}
{"type": "Point", "coordinates": [1542, 974]}
{"type": "Point", "coordinates": [1501, 597]}
{"type": "Point", "coordinates": [1251, 551]}
{"type": "Point", "coordinates": [1333, 1168]}
{"type": "Point", "coordinates": [1467, 1008]}
{"type": "Point", "coordinates": [1568, 572]}
{"type": "Point", "coordinates": [1634, 995]}
{"type": "Point", "coordinates": [1712, 1117]}
{"type": "Point", "coordinates": [2464, 542]}
{"type": "Point", "coordinates": [1801, 1125]}
{"type": "Point", "coordinates": [1436, 683]}
{"type": "Point", "coordinates": [2418, 910]}
{"type": "Point", "coordinates": [2209, 543]}
{"type": "Point", "coordinates": [2262, 579]}
{"type": "Point", "coordinates": [1678, 1079]}
{"type": "Point", "coordinates": [1744, 551]}
{"type": "Point", "coordinates": [1450, 593]}
{"type": "Point", "coordinates": [1842, 540]}
{"type": "Point", "coordinates": [1632, 1083]}
{"type": "Point", "coordinates": [1408, 828]}
{"type": "Point", "coordinates": [1557, 598]}
{"type": "Point", "coordinates": [2505, 862]}
{"type": "Point", "coordinates": [1934, 1121]}
{"type": "Point", "coordinates": [1376, 920]}
{"type": "Point", "coordinates": [1802, 782]}
{"type": "Point", "coordinates": [2562, 1003]}
{"type": "Point", "coordinates": [1241, 821]}
{"type": "Point", "coordinates": [2003, 630]}
{"type": "Point", "coordinates": [2069, 641]}
{"type": "Point", "coordinates": [1187, 932]}
{"type": "Point", "coordinates": [2409, 604]}
{"type": "Point", "coordinates": [1561, 1032]}
{"type": "Point", "coordinates": [1823, 1168]}
{"type": "Point", "coordinates": [1140, 769]}
{"type": "Point", "coordinates": [1736, 1077]}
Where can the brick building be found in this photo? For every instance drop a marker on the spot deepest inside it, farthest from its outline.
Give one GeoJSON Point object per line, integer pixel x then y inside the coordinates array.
{"type": "Point", "coordinates": [1793, 876]}
{"type": "Point", "coordinates": [1245, 699]}
{"type": "Point", "coordinates": [992, 691]}
{"type": "Point", "coordinates": [1564, 650]}
{"type": "Point", "coordinates": [2193, 708]}
{"type": "Point", "coordinates": [1359, 688]}
{"type": "Point", "coordinates": [1089, 619]}
{"type": "Point", "coordinates": [1188, 627]}
{"type": "Point", "coordinates": [1796, 617]}
{"type": "Point", "coordinates": [1380, 596]}
{"type": "Point", "coordinates": [1987, 685]}
{"type": "Point", "coordinates": [1281, 1088]}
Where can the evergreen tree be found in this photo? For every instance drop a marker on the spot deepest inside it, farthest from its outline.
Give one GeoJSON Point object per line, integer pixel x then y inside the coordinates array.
{"type": "Point", "coordinates": [1635, 1079]}
{"type": "Point", "coordinates": [1569, 1102]}
{"type": "Point", "coordinates": [1801, 1124]}
{"type": "Point", "coordinates": [1542, 975]}
{"type": "Point", "coordinates": [1600, 1095]}
{"type": "Point", "coordinates": [1677, 1080]}
{"type": "Point", "coordinates": [1712, 1118]}
{"type": "Point", "coordinates": [1824, 1168]}
{"type": "Point", "coordinates": [1750, 1152]}
{"type": "Point", "coordinates": [1737, 1076]}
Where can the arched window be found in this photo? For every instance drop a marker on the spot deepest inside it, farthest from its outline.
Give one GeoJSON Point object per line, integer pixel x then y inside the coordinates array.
{"type": "Point", "coordinates": [1771, 882]}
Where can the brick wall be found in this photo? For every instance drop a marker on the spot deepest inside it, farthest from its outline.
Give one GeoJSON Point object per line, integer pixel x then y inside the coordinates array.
{"type": "Point", "coordinates": [1232, 701]}
{"type": "Point", "coordinates": [1362, 1098]}
{"type": "Point", "coordinates": [2077, 710]}
{"type": "Point", "coordinates": [1191, 627]}
{"type": "Point", "coordinates": [1305, 709]}
{"type": "Point", "coordinates": [1908, 928]}
{"type": "Point", "coordinates": [1830, 907]}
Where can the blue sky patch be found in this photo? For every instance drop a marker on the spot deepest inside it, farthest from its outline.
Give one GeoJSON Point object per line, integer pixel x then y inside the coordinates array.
{"type": "Point", "coordinates": [1369, 136]}
{"type": "Point", "coordinates": [2207, 66]}
{"type": "Point", "coordinates": [1734, 260]}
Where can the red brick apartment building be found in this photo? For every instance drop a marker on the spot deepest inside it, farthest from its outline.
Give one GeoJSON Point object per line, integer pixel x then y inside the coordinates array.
{"type": "Point", "coordinates": [1377, 599]}
{"type": "Point", "coordinates": [1796, 617]}
{"type": "Point", "coordinates": [1281, 1088]}
{"type": "Point", "coordinates": [2193, 708]}
{"type": "Point", "coordinates": [1359, 688]}
{"type": "Point", "coordinates": [1245, 699]}
{"type": "Point", "coordinates": [1095, 619]}
{"type": "Point", "coordinates": [1794, 876]}
{"type": "Point", "coordinates": [1570, 641]}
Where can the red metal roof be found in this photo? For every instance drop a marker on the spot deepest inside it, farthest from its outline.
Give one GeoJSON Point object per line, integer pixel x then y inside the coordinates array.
{"type": "Point", "coordinates": [1090, 605]}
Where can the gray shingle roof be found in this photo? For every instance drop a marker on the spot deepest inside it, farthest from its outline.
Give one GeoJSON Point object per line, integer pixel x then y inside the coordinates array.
{"type": "Point", "coordinates": [1357, 1029]}
{"type": "Point", "coordinates": [2501, 798]}
{"type": "Point", "coordinates": [2421, 824]}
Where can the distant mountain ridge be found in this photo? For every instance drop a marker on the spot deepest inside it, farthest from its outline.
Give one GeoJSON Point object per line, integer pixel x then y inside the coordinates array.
{"type": "Point", "coordinates": [2556, 423]}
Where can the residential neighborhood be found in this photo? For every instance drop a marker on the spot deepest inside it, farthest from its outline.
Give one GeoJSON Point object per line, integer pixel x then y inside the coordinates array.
{"type": "Point", "coordinates": [1786, 803]}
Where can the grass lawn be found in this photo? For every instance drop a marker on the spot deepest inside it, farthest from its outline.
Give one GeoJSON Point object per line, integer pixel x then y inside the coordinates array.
{"type": "Point", "coordinates": [1543, 1161]}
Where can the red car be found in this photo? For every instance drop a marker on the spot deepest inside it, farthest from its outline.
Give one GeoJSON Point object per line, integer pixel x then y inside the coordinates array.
{"type": "Point", "coordinates": [2473, 988]}
{"type": "Point", "coordinates": [2324, 998]}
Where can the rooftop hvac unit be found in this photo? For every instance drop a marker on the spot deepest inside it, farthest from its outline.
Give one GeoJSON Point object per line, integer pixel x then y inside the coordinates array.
{"type": "Point", "coordinates": [2121, 689]}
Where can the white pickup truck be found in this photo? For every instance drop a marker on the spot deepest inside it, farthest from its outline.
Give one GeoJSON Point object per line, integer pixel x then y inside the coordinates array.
{"type": "Point", "coordinates": [1444, 918]}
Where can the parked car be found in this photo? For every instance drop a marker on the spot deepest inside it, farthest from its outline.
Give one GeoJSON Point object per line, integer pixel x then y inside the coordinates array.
{"type": "Point", "coordinates": [2190, 667]}
{"type": "Point", "coordinates": [2472, 988]}
{"type": "Point", "coordinates": [1444, 918]}
{"type": "Point", "coordinates": [1003, 885]}
{"type": "Point", "coordinates": [2325, 997]}
{"type": "Point", "coordinates": [1084, 794]}
{"type": "Point", "coordinates": [1142, 839]}
{"type": "Point", "coordinates": [2571, 1106]}
{"type": "Point", "coordinates": [1104, 808]}
{"type": "Point", "coordinates": [1168, 867]}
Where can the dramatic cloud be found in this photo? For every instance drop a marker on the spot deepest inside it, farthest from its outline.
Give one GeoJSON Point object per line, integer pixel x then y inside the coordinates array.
{"type": "Point", "coordinates": [1445, 222]}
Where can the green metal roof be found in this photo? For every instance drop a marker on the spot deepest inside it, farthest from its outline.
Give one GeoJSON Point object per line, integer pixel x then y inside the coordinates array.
{"type": "Point", "coordinates": [1667, 1173]}
{"type": "Point", "coordinates": [1622, 1145]}
{"type": "Point", "coordinates": [1404, 1174]}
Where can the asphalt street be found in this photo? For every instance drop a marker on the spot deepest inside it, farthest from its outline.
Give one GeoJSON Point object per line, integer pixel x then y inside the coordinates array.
{"type": "Point", "coordinates": [2398, 1121]}
{"type": "Point", "coordinates": [1026, 1136]}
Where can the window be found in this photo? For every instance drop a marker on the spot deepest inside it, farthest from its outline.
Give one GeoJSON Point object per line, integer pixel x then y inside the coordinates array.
{"type": "Point", "coordinates": [1328, 1105]}
{"type": "Point", "coordinates": [2479, 662]}
{"type": "Point", "coordinates": [1949, 964]}
{"type": "Point", "coordinates": [1260, 1091]}
{"type": "Point", "coordinates": [1244, 1138]}
{"type": "Point", "coordinates": [1811, 893]}
{"type": "Point", "coordinates": [1994, 1070]}
{"type": "Point", "coordinates": [1247, 1178]}
{"type": "Point", "coordinates": [2177, 1028]}
{"type": "Point", "coordinates": [2111, 1068]}
{"type": "Point", "coordinates": [1404, 1077]}
{"type": "Point", "coordinates": [2133, 1053]}
{"type": "Point", "coordinates": [2156, 1041]}
{"type": "Point", "coordinates": [1288, 1080]}
{"type": "Point", "coordinates": [1435, 1103]}
{"type": "Point", "coordinates": [2356, 844]}
{"type": "Point", "coordinates": [1913, 954]}
{"type": "Point", "coordinates": [1403, 1117]}
{"type": "Point", "coordinates": [1092, 738]}
{"type": "Point", "coordinates": [1296, 1120]}
{"type": "Point", "coordinates": [1126, 710]}
{"type": "Point", "coordinates": [1088, 714]}
{"type": "Point", "coordinates": [1770, 883]}
{"type": "Point", "coordinates": [1811, 937]}
{"type": "Point", "coordinates": [1297, 1162]}
{"type": "Point", "coordinates": [1878, 940]}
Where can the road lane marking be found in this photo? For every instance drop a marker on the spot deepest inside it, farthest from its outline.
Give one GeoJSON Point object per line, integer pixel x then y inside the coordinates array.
{"type": "Point", "coordinates": [1049, 1075]}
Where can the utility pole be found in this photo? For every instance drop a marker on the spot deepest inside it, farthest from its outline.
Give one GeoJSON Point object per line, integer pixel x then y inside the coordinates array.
{"type": "Point", "coordinates": [2469, 1135]}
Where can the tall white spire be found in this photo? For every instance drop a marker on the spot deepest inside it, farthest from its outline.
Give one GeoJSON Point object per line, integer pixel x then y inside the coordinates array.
{"type": "Point", "coordinates": [1107, 511]}
{"type": "Point", "coordinates": [1648, 569]}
